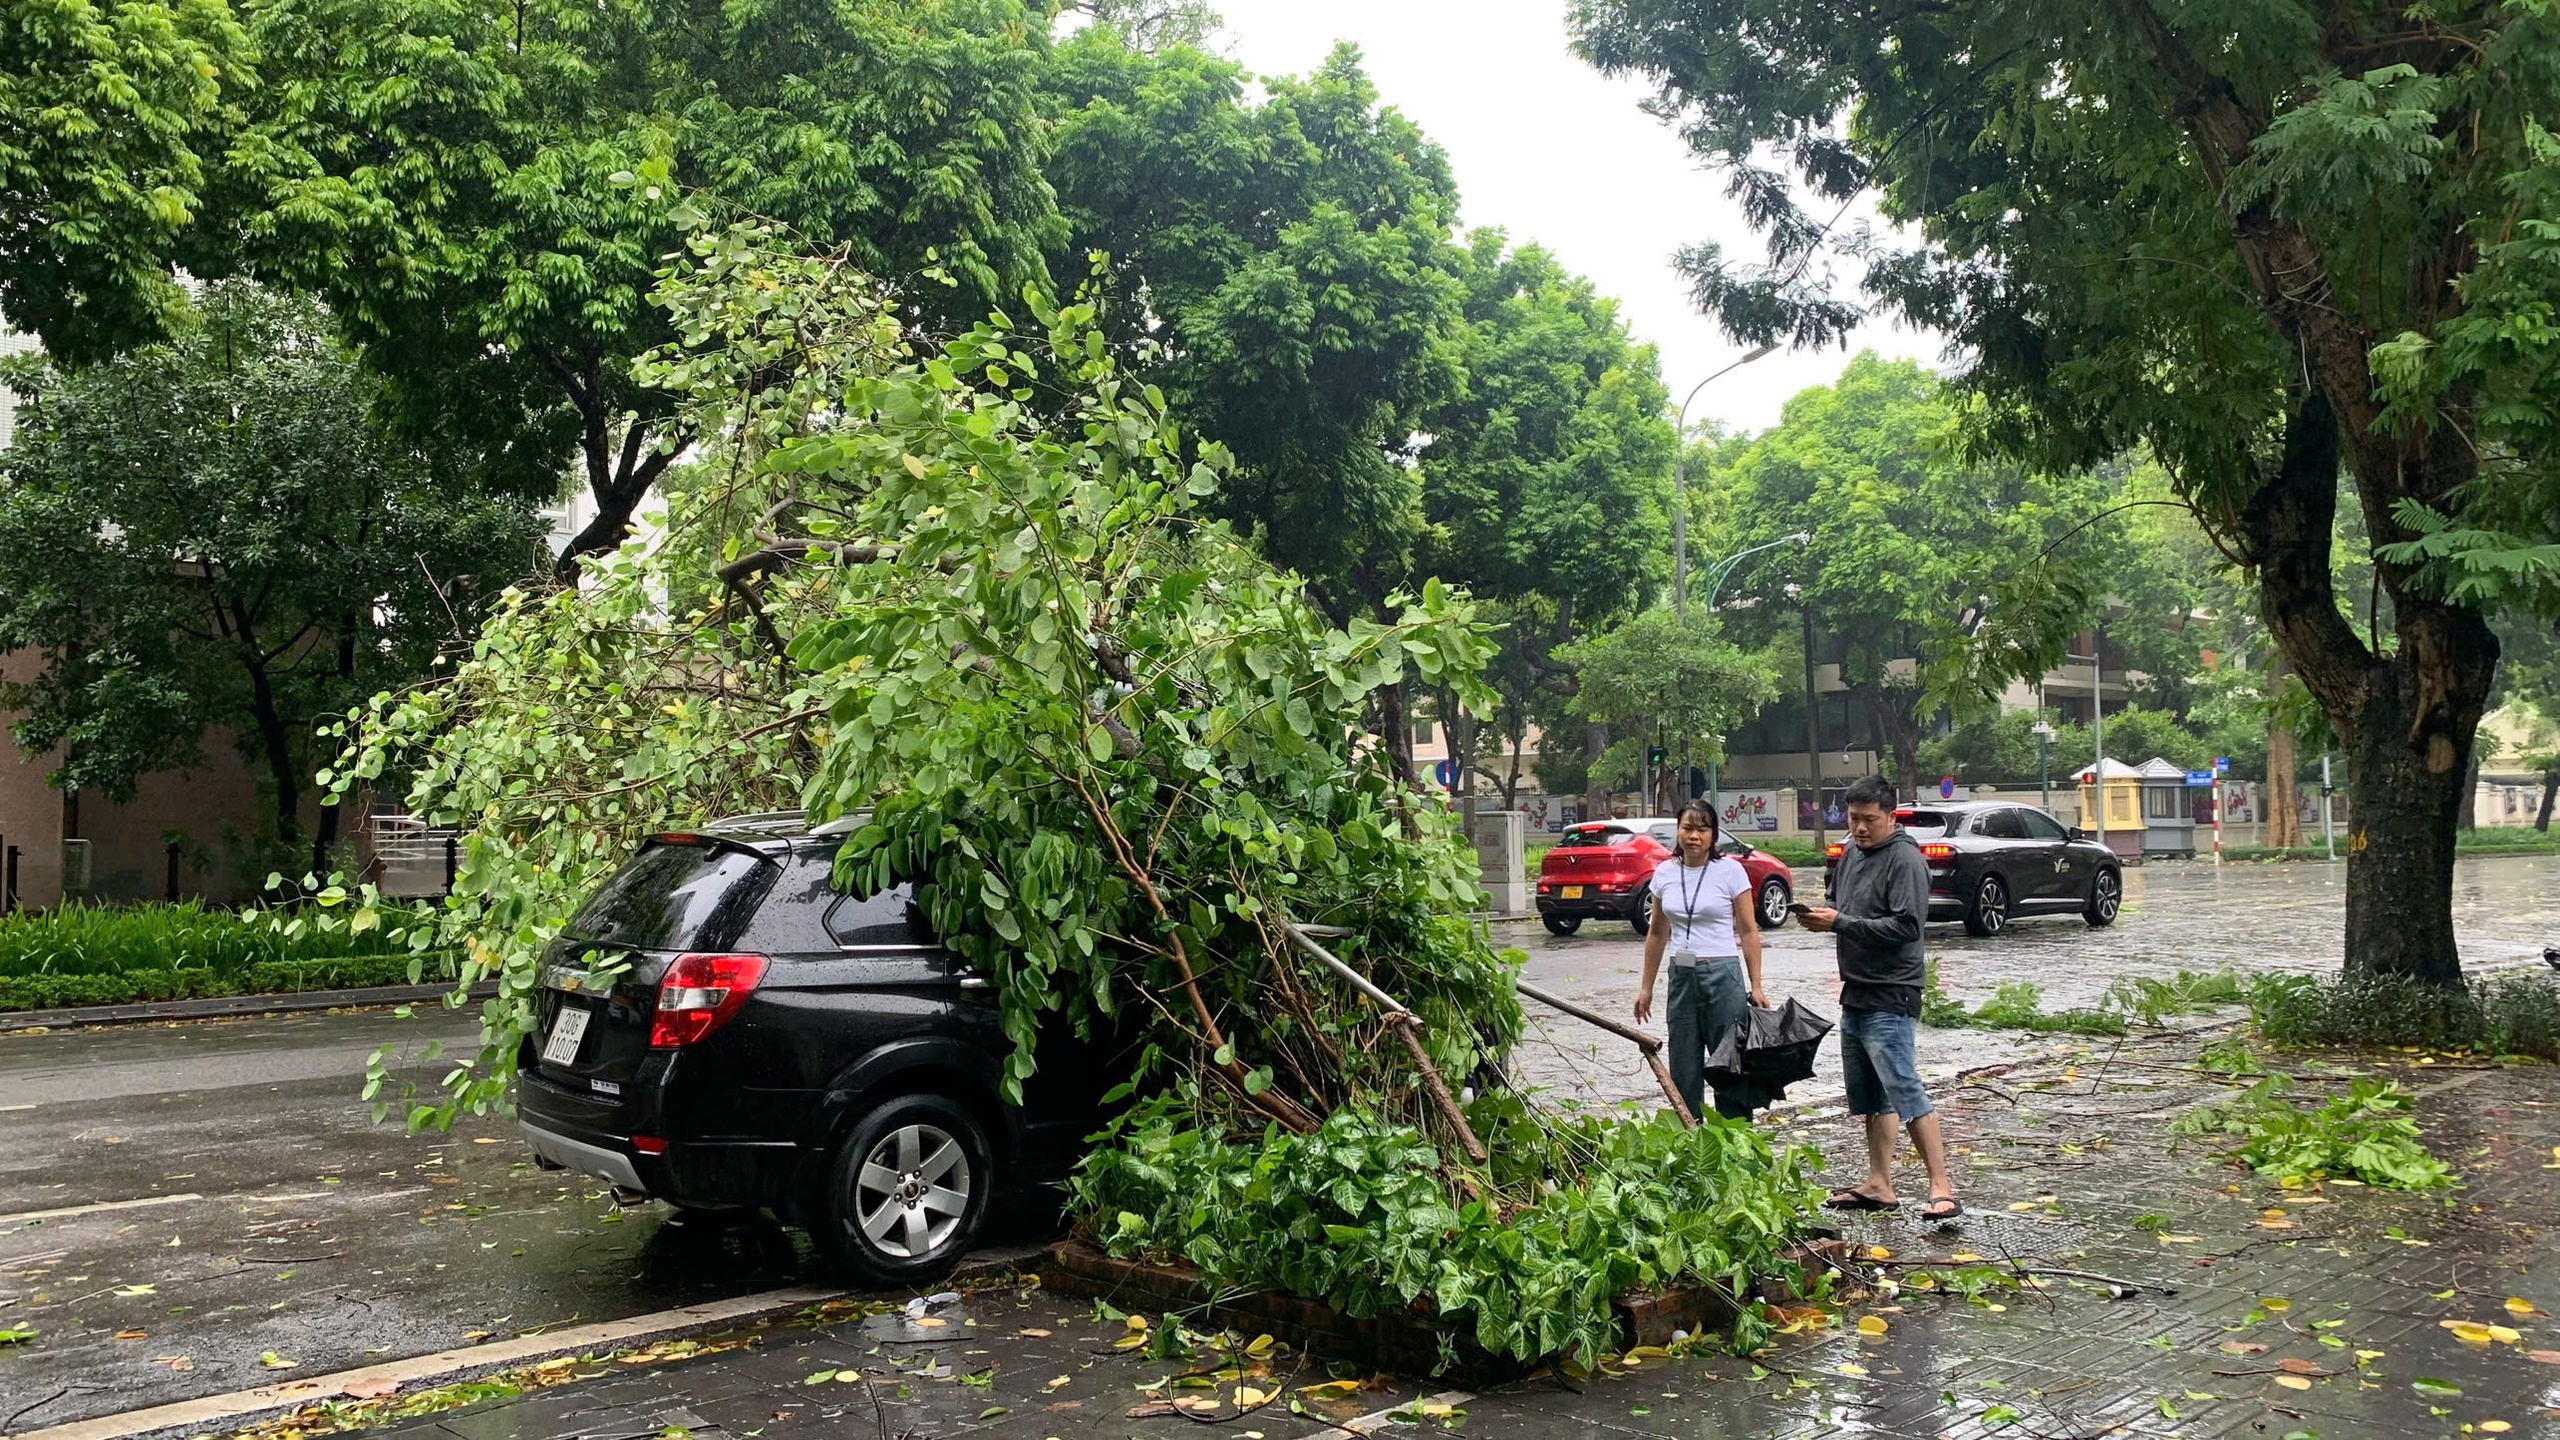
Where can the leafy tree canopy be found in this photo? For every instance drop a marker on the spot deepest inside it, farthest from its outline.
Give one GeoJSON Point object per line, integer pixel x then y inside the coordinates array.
{"type": "Point", "coordinates": [210, 532]}
{"type": "Point", "coordinates": [1909, 540]}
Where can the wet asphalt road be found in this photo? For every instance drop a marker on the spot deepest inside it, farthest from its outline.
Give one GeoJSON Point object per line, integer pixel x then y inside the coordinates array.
{"type": "Point", "coordinates": [275, 1218]}
{"type": "Point", "coordinates": [279, 1220]}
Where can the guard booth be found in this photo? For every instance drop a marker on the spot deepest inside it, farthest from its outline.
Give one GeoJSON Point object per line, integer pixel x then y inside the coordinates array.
{"type": "Point", "coordinates": [2168, 809]}
{"type": "Point", "coordinates": [2122, 798]}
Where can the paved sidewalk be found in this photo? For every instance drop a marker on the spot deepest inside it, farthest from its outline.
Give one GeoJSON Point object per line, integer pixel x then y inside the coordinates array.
{"type": "Point", "coordinates": [2258, 1312]}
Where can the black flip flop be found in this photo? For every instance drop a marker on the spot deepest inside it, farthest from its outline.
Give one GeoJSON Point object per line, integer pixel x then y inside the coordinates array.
{"type": "Point", "coordinates": [1848, 1199]}
{"type": "Point", "coordinates": [1930, 1214]}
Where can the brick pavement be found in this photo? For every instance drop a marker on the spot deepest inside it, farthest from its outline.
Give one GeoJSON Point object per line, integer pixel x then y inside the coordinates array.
{"type": "Point", "coordinates": [2065, 1161]}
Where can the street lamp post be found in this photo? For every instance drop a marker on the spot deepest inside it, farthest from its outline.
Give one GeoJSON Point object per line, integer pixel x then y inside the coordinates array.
{"type": "Point", "coordinates": [2044, 733]}
{"type": "Point", "coordinates": [1680, 484]}
{"type": "Point", "coordinates": [1715, 582]}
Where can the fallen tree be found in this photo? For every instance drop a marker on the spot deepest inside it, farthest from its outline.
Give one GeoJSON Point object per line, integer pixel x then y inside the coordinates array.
{"type": "Point", "coordinates": [962, 590]}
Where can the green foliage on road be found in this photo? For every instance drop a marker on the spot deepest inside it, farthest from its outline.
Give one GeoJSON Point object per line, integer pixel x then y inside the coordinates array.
{"type": "Point", "coordinates": [1579, 1211]}
{"type": "Point", "coordinates": [2365, 1134]}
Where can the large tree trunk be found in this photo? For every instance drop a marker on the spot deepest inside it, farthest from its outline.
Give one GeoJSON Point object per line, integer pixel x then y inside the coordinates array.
{"type": "Point", "coordinates": [619, 473]}
{"type": "Point", "coordinates": [2550, 788]}
{"type": "Point", "coordinates": [2405, 721]}
{"type": "Point", "coordinates": [2284, 802]}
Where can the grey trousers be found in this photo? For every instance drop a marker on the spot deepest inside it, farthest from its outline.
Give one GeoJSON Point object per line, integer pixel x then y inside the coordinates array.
{"type": "Point", "coordinates": [1707, 999]}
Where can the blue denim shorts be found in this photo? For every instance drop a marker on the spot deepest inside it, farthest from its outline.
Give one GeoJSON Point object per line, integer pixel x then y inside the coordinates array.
{"type": "Point", "coordinates": [1881, 1064]}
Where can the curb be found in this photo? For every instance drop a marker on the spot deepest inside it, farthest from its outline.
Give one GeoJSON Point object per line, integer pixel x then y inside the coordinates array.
{"type": "Point", "coordinates": [241, 1408]}
{"type": "Point", "coordinates": [221, 1006]}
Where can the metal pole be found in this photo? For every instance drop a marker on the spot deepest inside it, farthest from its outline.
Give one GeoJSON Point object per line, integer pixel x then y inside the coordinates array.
{"type": "Point", "coordinates": [1404, 1022]}
{"type": "Point", "coordinates": [2044, 761]}
{"type": "Point", "coordinates": [1680, 516]}
{"type": "Point", "coordinates": [2328, 834]}
{"type": "Point", "coordinates": [2217, 817]}
{"type": "Point", "coordinates": [2098, 722]}
{"type": "Point", "coordinates": [1651, 1047]}
{"type": "Point", "coordinates": [1813, 736]}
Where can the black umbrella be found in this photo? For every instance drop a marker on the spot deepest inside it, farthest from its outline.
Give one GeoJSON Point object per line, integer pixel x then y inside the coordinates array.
{"type": "Point", "coordinates": [1769, 1050]}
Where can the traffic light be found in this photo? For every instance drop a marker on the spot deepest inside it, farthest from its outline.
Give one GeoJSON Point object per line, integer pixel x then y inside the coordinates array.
{"type": "Point", "coordinates": [1660, 754]}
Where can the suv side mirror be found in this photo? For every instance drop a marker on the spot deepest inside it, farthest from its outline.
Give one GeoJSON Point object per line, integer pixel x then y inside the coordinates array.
{"type": "Point", "coordinates": [2079, 834]}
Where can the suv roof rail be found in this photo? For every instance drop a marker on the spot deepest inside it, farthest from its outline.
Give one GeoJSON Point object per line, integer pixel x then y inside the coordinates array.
{"type": "Point", "coordinates": [776, 824]}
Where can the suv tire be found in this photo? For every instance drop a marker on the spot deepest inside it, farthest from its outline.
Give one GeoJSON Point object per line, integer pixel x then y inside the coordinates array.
{"type": "Point", "coordinates": [906, 1192]}
{"type": "Point", "coordinates": [1987, 913]}
{"type": "Point", "coordinates": [1562, 924]}
{"type": "Point", "coordinates": [2106, 898]}
{"type": "Point", "coordinates": [1640, 914]}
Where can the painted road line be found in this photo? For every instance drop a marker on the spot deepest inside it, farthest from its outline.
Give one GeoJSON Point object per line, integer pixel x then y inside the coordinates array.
{"type": "Point", "coordinates": [6, 1109]}
{"type": "Point", "coordinates": [70, 1210]}
{"type": "Point", "coordinates": [192, 1416]}
{"type": "Point", "coordinates": [1370, 1423]}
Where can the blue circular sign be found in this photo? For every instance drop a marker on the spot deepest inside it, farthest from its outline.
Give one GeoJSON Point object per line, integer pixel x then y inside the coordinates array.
{"type": "Point", "coordinates": [1946, 787]}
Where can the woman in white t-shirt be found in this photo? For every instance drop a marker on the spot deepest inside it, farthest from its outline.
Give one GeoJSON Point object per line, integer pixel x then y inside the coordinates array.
{"type": "Point", "coordinates": [1704, 918]}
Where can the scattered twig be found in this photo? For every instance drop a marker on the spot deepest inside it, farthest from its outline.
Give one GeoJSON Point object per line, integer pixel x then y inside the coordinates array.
{"type": "Point", "coordinates": [291, 1259]}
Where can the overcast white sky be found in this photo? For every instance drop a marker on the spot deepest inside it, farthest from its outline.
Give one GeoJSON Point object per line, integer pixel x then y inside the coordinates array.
{"type": "Point", "coordinates": [1547, 149]}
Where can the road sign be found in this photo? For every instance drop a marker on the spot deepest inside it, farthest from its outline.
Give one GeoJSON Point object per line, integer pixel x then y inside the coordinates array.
{"type": "Point", "coordinates": [1946, 787]}
{"type": "Point", "coordinates": [1446, 772]}
{"type": "Point", "coordinates": [2199, 778]}
{"type": "Point", "coordinates": [2221, 765]}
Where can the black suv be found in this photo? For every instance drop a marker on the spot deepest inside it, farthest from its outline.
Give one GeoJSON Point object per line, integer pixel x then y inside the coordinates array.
{"type": "Point", "coordinates": [1991, 862]}
{"type": "Point", "coordinates": [720, 1028]}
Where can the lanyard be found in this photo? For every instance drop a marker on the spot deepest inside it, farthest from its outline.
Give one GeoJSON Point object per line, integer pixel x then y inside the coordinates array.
{"type": "Point", "coordinates": [1689, 891]}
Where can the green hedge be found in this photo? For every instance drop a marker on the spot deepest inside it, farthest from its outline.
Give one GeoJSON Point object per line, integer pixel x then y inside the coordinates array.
{"type": "Point", "coordinates": [2505, 840]}
{"type": "Point", "coordinates": [270, 977]}
{"type": "Point", "coordinates": [122, 939]}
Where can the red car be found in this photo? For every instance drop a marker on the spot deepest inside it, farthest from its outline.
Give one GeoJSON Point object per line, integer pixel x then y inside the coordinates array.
{"type": "Point", "coordinates": [1604, 868]}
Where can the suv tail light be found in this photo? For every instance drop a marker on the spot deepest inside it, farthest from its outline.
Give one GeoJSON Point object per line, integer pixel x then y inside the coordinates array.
{"type": "Point", "coordinates": [1937, 850]}
{"type": "Point", "coordinates": [699, 994]}
{"type": "Point", "coordinates": [1832, 851]}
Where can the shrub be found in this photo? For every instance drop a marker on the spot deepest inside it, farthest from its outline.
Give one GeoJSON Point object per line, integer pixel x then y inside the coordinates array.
{"type": "Point", "coordinates": [268, 977]}
{"type": "Point", "coordinates": [187, 937]}
{"type": "Point", "coordinates": [2512, 1012]}
{"type": "Point", "coordinates": [2153, 1000]}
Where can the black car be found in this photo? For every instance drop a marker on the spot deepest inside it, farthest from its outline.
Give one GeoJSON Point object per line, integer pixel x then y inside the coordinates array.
{"type": "Point", "coordinates": [721, 1028]}
{"type": "Point", "coordinates": [1991, 862]}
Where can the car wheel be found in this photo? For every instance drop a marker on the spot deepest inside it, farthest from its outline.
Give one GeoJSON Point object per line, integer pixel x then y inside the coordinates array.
{"type": "Point", "coordinates": [2106, 897]}
{"type": "Point", "coordinates": [1988, 914]}
{"type": "Point", "coordinates": [1641, 914]}
{"type": "Point", "coordinates": [1562, 924]}
{"type": "Point", "coordinates": [907, 1192]}
{"type": "Point", "coordinates": [1775, 896]}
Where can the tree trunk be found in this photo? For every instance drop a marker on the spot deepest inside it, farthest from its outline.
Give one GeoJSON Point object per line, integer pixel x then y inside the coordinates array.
{"type": "Point", "coordinates": [1595, 790]}
{"type": "Point", "coordinates": [278, 745]}
{"type": "Point", "coordinates": [2405, 721]}
{"type": "Point", "coordinates": [2550, 788]}
{"type": "Point", "coordinates": [619, 474]}
{"type": "Point", "coordinates": [1511, 776]}
{"type": "Point", "coordinates": [2284, 804]}
{"type": "Point", "coordinates": [1395, 714]}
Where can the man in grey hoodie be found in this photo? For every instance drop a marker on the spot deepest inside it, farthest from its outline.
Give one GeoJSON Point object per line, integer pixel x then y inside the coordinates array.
{"type": "Point", "coordinates": [1881, 890]}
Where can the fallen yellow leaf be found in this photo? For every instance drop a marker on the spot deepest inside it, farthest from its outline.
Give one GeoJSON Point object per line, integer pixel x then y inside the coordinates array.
{"type": "Point", "coordinates": [1846, 1369]}
{"type": "Point", "coordinates": [1247, 1397]}
{"type": "Point", "coordinates": [2276, 1305]}
{"type": "Point", "coordinates": [2517, 1306]}
{"type": "Point", "coordinates": [2505, 1335]}
{"type": "Point", "coordinates": [2293, 1382]}
{"type": "Point", "coordinates": [2496, 1427]}
{"type": "Point", "coordinates": [930, 1322]}
{"type": "Point", "coordinates": [1878, 1252]}
{"type": "Point", "coordinates": [2469, 1331]}
{"type": "Point", "coordinates": [1871, 1325]}
{"type": "Point", "coordinates": [1965, 1257]}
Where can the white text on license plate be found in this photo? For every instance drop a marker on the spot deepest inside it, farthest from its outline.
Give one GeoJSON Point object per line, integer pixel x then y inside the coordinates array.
{"type": "Point", "coordinates": [1571, 892]}
{"type": "Point", "coordinates": [567, 1029]}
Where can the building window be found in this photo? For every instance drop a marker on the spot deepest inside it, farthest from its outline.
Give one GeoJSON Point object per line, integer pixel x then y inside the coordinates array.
{"type": "Point", "coordinates": [2162, 803]}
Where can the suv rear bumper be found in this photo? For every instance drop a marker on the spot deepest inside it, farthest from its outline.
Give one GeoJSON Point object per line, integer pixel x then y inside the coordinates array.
{"type": "Point", "coordinates": [593, 1137]}
{"type": "Point", "coordinates": [1591, 906]}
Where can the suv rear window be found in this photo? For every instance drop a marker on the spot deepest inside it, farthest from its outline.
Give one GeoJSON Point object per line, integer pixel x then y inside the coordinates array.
{"type": "Point", "coordinates": [1931, 822]}
{"type": "Point", "coordinates": [677, 897]}
{"type": "Point", "coordinates": [1581, 835]}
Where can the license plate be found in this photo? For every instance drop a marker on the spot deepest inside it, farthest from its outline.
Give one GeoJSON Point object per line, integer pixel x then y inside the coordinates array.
{"type": "Point", "coordinates": [1571, 892]}
{"type": "Point", "coordinates": [568, 1028]}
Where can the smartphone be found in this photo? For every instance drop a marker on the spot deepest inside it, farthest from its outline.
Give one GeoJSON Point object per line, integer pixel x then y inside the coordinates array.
{"type": "Point", "coordinates": [1798, 907]}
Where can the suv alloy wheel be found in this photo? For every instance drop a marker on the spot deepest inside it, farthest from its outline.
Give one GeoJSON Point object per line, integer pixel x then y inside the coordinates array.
{"type": "Point", "coordinates": [906, 1192]}
{"type": "Point", "coordinates": [1988, 914]}
{"type": "Point", "coordinates": [1774, 895]}
{"type": "Point", "coordinates": [2106, 897]}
